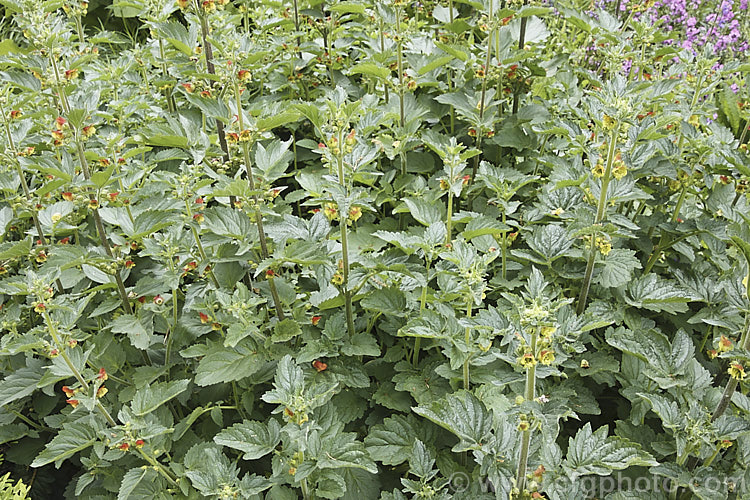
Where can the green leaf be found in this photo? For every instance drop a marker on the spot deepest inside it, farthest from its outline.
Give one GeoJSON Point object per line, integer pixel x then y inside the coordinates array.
{"type": "Point", "coordinates": [149, 398]}
{"type": "Point", "coordinates": [656, 294]}
{"type": "Point", "coordinates": [343, 451]}
{"type": "Point", "coordinates": [175, 33]}
{"type": "Point", "coordinates": [21, 382]}
{"type": "Point", "coordinates": [389, 301]}
{"type": "Point", "coordinates": [140, 483]}
{"type": "Point", "coordinates": [391, 442]}
{"type": "Point", "coordinates": [435, 64]}
{"type": "Point", "coordinates": [285, 330]}
{"type": "Point", "coordinates": [137, 333]}
{"type": "Point", "coordinates": [101, 178]}
{"type": "Point", "coordinates": [595, 453]}
{"type": "Point", "coordinates": [254, 439]}
{"type": "Point", "coordinates": [19, 249]}
{"type": "Point", "coordinates": [370, 69]}
{"type": "Point", "coordinates": [277, 120]}
{"type": "Point", "coordinates": [222, 365]}
{"type": "Point", "coordinates": [480, 226]}
{"type": "Point", "coordinates": [421, 461]}
{"type": "Point", "coordinates": [550, 241]}
{"type": "Point", "coordinates": [462, 414]}
{"type": "Point", "coordinates": [348, 8]}
{"type": "Point", "coordinates": [228, 222]}
{"type": "Point", "coordinates": [361, 344]}
{"type": "Point", "coordinates": [423, 211]}
{"type": "Point", "coordinates": [669, 412]}
{"type": "Point", "coordinates": [618, 268]}
{"type": "Point", "coordinates": [274, 160]}
{"type": "Point", "coordinates": [72, 438]}
{"type": "Point", "coordinates": [743, 246]}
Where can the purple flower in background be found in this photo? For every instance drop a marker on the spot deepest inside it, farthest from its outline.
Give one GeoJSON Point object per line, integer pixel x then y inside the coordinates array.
{"type": "Point", "coordinates": [720, 26]}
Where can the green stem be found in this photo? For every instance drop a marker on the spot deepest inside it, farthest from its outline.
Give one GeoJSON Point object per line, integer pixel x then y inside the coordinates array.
{"type": "Point", "coordinates": [600, 212]}
{"type": "Point", "coordinates": [25, 186]}
{"type": "Point", "coordinates": [529, 394]}
{"type": "Point", "coordinates": [467, 339]}
{"type": "Point", "coordinates": [198, 244]}
{"type": "Point", "coordinates": [27, 420]}
{"type": "Point", "coordinates": [504, 250]}
{"type": "Point", "coordinates": [170, 103]}
{"type": "Point", "coordinates": [449, 218]}
{"type": "Point", "coordinates": [345, 243]}
{"type": "Point", "coordinates": [400, 62]}
{"type": "Point", "coordinates": [87, 175]}
{"type": "Point", "coordinates": [71, 366]}
{"type": "Point", "coordinates": [171, 479]}
{"type": "Point", "coordinates": [661, 246]}
{"type": "Point", "coordinates": [422, 305]}
{"type": "Point", "coordinates": [258, 214]}
{"type": "Point", "coordinates": [209, 52]}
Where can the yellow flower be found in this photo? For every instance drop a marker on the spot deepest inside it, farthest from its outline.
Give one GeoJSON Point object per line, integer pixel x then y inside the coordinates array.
{"type": "Point", "coordinates": [331, 211]}
{"type": "Point", "coordinates": [527, 360]}
{"type": "Point", "coordinates": [737, 371]}
{"type": "Point", "coordinates": [546, 357]}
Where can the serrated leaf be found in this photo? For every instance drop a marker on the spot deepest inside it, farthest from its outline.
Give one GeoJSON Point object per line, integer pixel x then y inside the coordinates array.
{"type": "Point", "coordinates": [656, 294]}
{"type": "Point", "coordinates": [344, 452]}
{"type": "Point", "coordinates": [15, 250]}
{"type": "Point", "coordinates": [595, 453]}
{"type": "Point", "coordinates": [72, 438]}
{"type": "Point", "coordinates": [423, 211]}
{"type": "Point", "coordinates": [285, 330]}
{"type": "Point", "coordinates": [138, 484]}
{"type": "Point", "coordinates": [149, 398]}
{"type": "Point", "coordinates": [462, 414]}
{"type": "Point", "coordinates": [391, 442]}
{"type": "Point", "coordinates": [223, 365]}
{"type": "Point", "coordinates": [227, 222]}
{"type": "Point", "coordinates": [136, 331]}
{"type": "Point", "coordinates": [550, 241]}
{"type": "Point", "coordinates": [370, 69]}
{"type": "Point", "coordinates": [618, 268]}
{"type": "Point", "coordinates": [254, 439]}
{"type": "Point", "coordinates": [669, 412]}
{"type": "Point", "coordinates": [21, 382]}
{"type": "Point", "coordinates": [389, 301]}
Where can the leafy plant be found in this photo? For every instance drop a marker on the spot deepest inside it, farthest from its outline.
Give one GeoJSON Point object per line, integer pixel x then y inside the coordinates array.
{"type": "Point", "coordinates": [351, 249]}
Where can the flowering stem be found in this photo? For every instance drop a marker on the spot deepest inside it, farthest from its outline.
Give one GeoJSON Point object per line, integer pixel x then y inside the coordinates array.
{"type": "Point", "coordinates": [600, 211]}
{"type": "Point", "coordinates": [422, 304]}
{"type": "Point", "coordinates": [726, 396]}
{"type": "Point", "coordinates": [26, 190]}
{"type": "Point", "coordinates": [158, 467]}
{"type": "Point", "coordinates": [486, 69]}
{"type": "Point", "coordinates": [382, 49]}
{"type": "Point", "coordinates": [71, 366]}
{"type": "Point", "coordinates": [449, 218]}
{"type": "Point", "coordinates": [345, 243]}
{"type": "Point", "coordinates": [662, 241]}
{"type": "Point", "coordinates": [529, 395]}
{"type": "Point", "coordinates": [400, 59]}
{"type": "Point", "coordinates": [170, 102]}
{"type": "Point", "coordinates": [467, 339]}
{"type": "Point", "coordinates": [208, 50]}
{"type": "Point", "coordinates": [87, 175]}
{"type": "Point", "coordinates": [504, 249]}
{"type": "Point", "coordinates": [256, 202]}
{"type": "Point", "coordinates": [521, 44]}
{"type": "Point", "coordinates": [201, 251]}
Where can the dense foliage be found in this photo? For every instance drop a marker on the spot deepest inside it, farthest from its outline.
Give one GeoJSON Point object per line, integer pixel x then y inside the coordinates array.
{"type": "Point", "coordinates": [351, 249]}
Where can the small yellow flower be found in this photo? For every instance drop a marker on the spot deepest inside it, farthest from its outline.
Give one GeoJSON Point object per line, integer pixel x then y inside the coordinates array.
{"type": "Point", "coordinates": [725, 344]}
{"type": "Point", "coordinates": [355, 213]}
{"type": "Point", "coordinates": [331, 211]}
{"type": "Point", "coordinates": [527, 360]}
{"type": "Point", "coordinates": [546, 357]}
{"type": "Point", "coordinates": [737, 371]}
